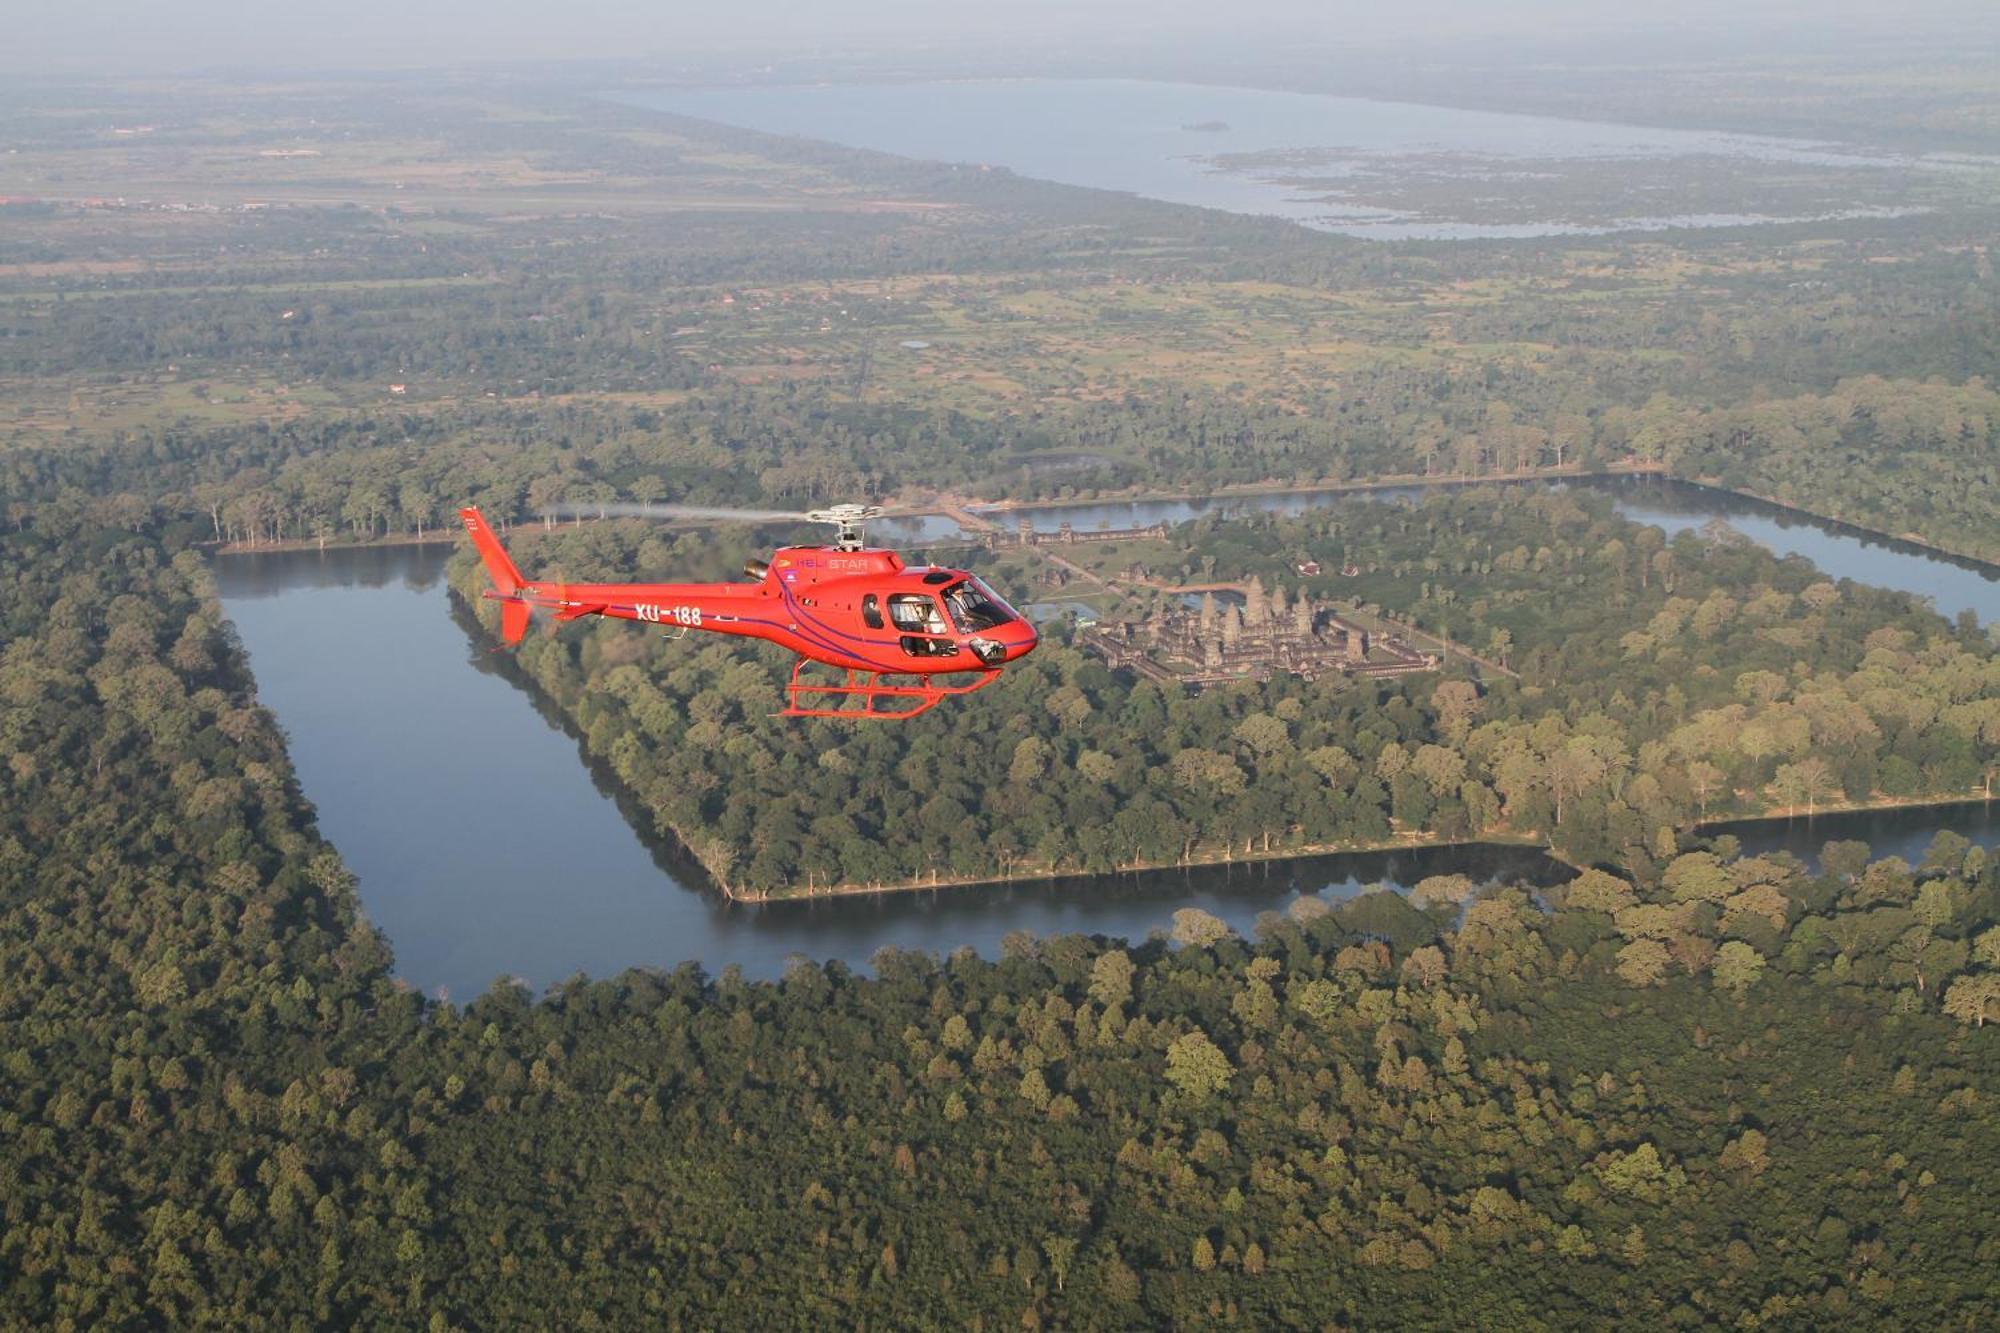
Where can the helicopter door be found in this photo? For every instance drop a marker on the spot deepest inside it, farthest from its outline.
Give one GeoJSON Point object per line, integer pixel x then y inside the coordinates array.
{"type": "Point", "coordinates": [922, 625]}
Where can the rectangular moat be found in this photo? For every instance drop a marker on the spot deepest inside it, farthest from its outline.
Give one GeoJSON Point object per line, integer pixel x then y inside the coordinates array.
{"type": "Point", "coordinates": [485, 847]}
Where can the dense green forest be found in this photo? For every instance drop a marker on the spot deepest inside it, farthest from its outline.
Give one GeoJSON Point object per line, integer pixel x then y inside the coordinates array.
{"type": "Point", "coordinates": [1659, 683]}
{"type": "Point", "coordinates": [1478, 1106]}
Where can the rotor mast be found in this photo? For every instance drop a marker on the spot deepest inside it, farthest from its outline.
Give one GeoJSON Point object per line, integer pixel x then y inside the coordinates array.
{"type": "Point", "coordinates": [848, 522]}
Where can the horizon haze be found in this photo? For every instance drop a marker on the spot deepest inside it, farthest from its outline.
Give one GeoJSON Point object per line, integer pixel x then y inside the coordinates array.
{"type": "Point", "coordinates": [116, 37]}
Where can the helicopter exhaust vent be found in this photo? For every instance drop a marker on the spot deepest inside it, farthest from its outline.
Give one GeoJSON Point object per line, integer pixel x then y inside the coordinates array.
{"type": "Point", "coordinates": [755, 569]}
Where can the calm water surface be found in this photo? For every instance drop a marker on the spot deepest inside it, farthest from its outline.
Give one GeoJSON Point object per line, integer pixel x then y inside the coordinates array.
{"type": "Point", "coordinates": [1130, 135]}
{"type": "Point", "coordinates": [1953, 585]}
{"type": "Point", "coordinates": [1904, 833]}
{"type": "Point", "coordinates": [486, 847]}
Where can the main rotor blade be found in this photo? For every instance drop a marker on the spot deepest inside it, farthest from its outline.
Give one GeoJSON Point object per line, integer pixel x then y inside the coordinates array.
{"type": "Point", "coordinates": [624, 509]}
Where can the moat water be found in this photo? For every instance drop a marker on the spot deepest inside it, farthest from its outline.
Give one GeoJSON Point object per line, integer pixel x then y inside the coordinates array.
{"type": "Point", "coordinates": [1951, 584]}
{"type": "Point", "coordinates": [486, 847]}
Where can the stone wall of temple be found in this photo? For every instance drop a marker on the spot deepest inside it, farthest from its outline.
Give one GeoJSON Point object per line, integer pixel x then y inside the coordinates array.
{"type": "Point", "coordinates": [1269, 633]}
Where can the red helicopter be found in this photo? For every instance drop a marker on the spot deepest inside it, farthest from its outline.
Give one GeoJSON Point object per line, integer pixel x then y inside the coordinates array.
{"type": "Point", "coordinates": [845, 605]}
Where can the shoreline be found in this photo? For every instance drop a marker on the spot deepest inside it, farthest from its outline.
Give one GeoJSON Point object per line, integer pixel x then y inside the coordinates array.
{"type": "Point", "coordinates": [1391, 482]}
{"type": "Point", "coordinates": [1880, 805]}
{"type": "Point", "coordinates": [1410, 843]}
{"type": "Point", "coordinates": [1333, 849]}
{"type": "Point", "coordinates": [438, 536]}
{"type": "Point", "coordinates": [448, 533]}
{"type": "Point", "coordinates": [1988, 563]}
{"type": "Point", "coordinates": [1413, 842]}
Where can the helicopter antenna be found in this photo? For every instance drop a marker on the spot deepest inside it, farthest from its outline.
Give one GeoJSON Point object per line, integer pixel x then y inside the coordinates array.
{"type": "Point", "coordinates": [848, 521]}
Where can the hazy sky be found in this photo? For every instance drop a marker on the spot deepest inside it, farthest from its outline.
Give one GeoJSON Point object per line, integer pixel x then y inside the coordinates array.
{"type": "Point", "coordinates": [106, 36]}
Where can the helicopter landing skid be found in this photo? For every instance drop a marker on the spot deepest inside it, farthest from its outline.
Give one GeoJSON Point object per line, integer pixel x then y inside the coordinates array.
{"type": "Point", "coordinates": [868, 687]}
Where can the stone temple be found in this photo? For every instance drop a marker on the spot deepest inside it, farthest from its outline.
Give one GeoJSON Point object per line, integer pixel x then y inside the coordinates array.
{"type": "Point", "coordinates": [1220, 641]}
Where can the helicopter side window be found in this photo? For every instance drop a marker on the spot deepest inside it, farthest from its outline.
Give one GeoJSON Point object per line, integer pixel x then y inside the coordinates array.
{"type": "Point", "coordinates": [915, 613]}
{"type": "Point", "coordinates": [871, 611]}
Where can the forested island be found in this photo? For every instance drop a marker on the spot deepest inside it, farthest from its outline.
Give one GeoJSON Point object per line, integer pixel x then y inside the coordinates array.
{"type": "Point", "coordinates": [1686, 1086]}
{"type": "Point", "coordinates": [1650, 686]}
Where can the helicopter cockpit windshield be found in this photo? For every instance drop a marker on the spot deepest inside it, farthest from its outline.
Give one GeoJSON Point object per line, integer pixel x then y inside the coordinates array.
{"type": "Point", "coordinates": [975, 607]}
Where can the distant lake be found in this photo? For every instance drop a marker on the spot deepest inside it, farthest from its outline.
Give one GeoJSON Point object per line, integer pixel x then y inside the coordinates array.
{"type": "Point", "coordinates": [1184, 143]}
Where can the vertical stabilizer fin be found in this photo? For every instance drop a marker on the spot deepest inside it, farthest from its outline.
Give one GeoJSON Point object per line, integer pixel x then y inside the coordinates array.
{"type": "Point", "coordinates": [506, 579]}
